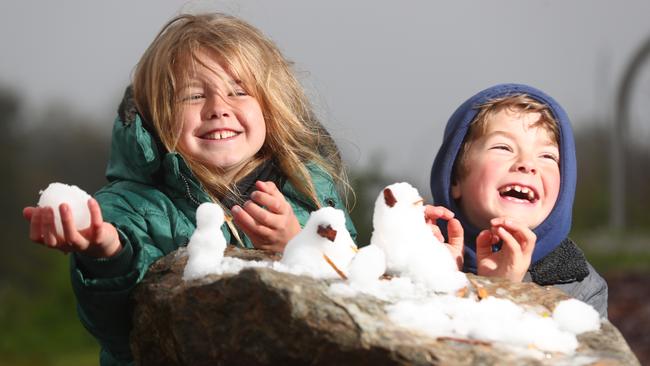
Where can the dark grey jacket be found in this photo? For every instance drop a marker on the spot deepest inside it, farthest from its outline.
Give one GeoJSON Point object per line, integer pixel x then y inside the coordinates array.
{"type": "Point", "coordinates": [567, 269]}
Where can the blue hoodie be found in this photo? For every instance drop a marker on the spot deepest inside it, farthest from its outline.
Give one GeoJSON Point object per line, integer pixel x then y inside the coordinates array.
{"type": "Point", "coordinates": [552, 231]}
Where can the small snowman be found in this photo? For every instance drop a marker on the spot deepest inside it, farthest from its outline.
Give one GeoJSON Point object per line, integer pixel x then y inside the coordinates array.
{"type": "Point", "coordinates": [207, 243]}
{"type": "Point", "coordinates": [323, 248]}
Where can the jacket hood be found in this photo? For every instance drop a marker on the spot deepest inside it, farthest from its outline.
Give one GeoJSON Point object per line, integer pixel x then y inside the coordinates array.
{"type": "Point", "coordinates": [557, 225]}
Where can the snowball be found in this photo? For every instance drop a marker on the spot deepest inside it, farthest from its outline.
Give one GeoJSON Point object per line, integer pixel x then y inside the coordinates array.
{"type": "Point", "coordinates": [367, 265]}
{"type": "Point", "coordinates": [576, 316]}
{"type": "Point", "coordinates": [57, 193]}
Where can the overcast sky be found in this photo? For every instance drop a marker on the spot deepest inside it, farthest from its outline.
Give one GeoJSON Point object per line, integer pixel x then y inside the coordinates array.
{"type": "Point", "coordinates": [384, 75]}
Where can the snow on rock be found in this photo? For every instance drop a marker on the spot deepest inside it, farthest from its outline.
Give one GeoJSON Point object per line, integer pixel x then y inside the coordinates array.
{"type": "Point", "coordinates": [576, 316]}
{"type": "Point", "coordinates": [57, 193]}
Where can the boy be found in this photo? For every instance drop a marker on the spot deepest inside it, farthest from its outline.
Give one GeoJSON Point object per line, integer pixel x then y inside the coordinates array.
{"type": "Point", "coordinates": [507, 168]}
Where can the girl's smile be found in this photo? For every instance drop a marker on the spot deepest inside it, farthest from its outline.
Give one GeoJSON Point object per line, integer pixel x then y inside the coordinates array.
{"type": "Point", "coordinates": [223, 125]}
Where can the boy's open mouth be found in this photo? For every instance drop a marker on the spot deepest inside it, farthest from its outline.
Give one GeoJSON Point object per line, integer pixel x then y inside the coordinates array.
{"type": "Point", "coordinates": [519, 192]}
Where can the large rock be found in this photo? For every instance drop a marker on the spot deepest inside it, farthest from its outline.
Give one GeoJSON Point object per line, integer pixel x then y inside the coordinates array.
{"type": "Point", "coordinates": [263, 317]}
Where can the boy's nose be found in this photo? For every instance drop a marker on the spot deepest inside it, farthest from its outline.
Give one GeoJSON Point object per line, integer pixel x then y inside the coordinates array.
{"type": "Point", "coordinates": [525, 166]}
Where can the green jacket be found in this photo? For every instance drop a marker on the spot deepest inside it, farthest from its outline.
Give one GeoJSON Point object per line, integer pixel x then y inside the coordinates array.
{"type": "Point", "coordinates": [151, 199]}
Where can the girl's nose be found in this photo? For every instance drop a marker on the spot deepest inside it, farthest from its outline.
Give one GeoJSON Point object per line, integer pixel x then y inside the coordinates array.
{"type": "Point", "coordinates": [216, 107]}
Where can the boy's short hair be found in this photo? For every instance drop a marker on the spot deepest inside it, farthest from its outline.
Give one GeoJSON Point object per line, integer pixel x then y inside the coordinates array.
{"type": "Point", "coordinates": [520, 103]}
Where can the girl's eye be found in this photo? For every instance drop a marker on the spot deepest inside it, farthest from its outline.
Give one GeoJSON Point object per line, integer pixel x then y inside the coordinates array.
{"type": "Point", "coordinates": [238, 93]}
{"type": "Point", "coordinates": [192, 97]}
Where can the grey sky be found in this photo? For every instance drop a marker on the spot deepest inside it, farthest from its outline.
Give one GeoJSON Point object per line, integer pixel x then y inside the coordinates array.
{"type": "Point", "coordinates": [385, 75]}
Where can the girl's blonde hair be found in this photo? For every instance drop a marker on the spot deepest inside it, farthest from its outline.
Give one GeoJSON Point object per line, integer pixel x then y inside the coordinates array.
{"type": "Point", "coordinates": [294, 137]}
{"type": "Point", "coordinates": [518, 103]}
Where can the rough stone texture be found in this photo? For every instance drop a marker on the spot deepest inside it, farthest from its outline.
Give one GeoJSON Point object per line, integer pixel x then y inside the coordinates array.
{"type": "Point", "coordinates": [264, 317]}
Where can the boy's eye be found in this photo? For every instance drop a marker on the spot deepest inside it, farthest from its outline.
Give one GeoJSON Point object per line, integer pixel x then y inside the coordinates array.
{"type": "Point", "coordinates": [551, 156]}
{"type": "Point", "coordinates": [501, 147]}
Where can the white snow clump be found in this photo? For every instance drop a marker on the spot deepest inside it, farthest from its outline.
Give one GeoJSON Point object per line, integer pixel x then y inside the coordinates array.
{"type": "Point", "coordinates": [411, 249]}
{"type": "Point", "coordinates": [576, 316]}
{"type": "Point", "coordinates": [207, 243]}
{"type": "Point", "coordinates": [57, 193]}
{"type": "Point", "coordinates": [323, 248]}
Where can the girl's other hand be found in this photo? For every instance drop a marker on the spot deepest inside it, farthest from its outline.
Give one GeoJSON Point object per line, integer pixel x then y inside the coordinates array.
{"type": "Point", "coordinates": [269, 228]}
{"type": "Point", "coordinates": [99, 240]}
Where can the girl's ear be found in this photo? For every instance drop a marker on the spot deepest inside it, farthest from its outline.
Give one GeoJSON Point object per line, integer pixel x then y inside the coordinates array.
{"type": "Point", "coordinates": [455, 190]}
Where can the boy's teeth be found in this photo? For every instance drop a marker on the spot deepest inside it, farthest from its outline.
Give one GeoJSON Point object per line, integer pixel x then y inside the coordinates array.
{"type": "Point", "coordinates": [519, 189]}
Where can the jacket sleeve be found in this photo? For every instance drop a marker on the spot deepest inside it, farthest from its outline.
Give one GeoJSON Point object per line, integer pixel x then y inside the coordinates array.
{"type": "Point", "coordinates": [103, 286]}
{"type": "Point", "coordinates": [327, 194]}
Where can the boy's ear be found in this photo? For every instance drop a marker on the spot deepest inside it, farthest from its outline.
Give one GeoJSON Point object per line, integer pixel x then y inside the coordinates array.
{"type": "Point", "coordinates": [455, 190]}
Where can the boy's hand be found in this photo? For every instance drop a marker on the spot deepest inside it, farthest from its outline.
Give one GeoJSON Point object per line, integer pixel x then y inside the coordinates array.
{"type": "Point", "coordinates": [513, 259]}
{"type": "Point", "coordinates": [454, 231]}
{"type": "Point", "coordinates": [270, 228]}
{"type": "Point", "coordinates": [99, 240]}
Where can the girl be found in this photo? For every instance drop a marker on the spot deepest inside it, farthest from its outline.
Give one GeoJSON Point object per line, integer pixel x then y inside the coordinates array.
{"type": "Point", "coordinates": [218, 116]}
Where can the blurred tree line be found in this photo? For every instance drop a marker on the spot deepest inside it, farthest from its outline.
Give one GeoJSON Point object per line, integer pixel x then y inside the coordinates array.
{"type": "Point", "coordinates": [37, 310]}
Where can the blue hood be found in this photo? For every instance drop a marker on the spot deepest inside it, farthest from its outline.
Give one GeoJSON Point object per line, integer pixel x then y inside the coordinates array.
{"type": "Point", "coordinates": [557, 225]}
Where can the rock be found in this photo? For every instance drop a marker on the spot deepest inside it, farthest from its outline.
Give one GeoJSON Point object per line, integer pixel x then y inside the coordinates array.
{"type": "Point", "coordinates": [264, 317]}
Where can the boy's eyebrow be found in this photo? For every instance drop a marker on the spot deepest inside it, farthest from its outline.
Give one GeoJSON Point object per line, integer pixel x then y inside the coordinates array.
{"type": "Point", "coordinates": [506, 134]}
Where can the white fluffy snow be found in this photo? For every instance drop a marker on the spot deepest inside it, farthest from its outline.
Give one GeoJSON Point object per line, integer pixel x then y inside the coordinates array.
{"type": "Point", "coordinates": [57, 193]}
{"type": "Point", "coordinates": [416, 306]}
{"type": "Point", "coordinates": [420, 294]}
{"type": "Point", "coordinates": [576, 316]}
{"type": "Point", "coordinates": [323, 248]}
{"type": "Point", "coordinates": [411, 249]}
{"type": "Point", "coordinates": [367, 265]}
{"type": "Point", "coordinates": [207, 243]}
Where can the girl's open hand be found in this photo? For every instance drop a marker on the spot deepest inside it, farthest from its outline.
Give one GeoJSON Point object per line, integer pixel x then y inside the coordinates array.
{"type": "Point", "coordinates": [267, 218]}
{"type": "Point", "coordinates": [454, 231]}
{"type": "Point", "coordinates": [99, 240]}
{"type": "Point", "coordinates": [514, 257]}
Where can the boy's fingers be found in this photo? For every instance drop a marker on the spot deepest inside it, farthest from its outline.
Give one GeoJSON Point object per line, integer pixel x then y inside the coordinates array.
{"type": "Point", "coordinates": [437, 233]}
{"type": "Point", "coordinates": [483, 244]}
{"type": "Point", "coordinates": [456, 233]}
{"type": "Point", "coordinates": [437, 212]}
{"type": "Point", "coordinates": [510, 244]}
{"type": "Point", "coordinates": [524, 236]}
